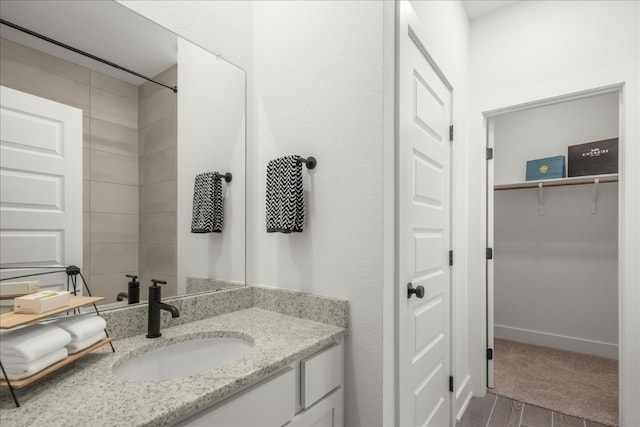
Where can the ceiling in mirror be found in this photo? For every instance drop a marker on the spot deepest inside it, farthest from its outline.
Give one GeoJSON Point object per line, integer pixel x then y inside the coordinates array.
{"type": "Point", "coordinates": [89, 26]}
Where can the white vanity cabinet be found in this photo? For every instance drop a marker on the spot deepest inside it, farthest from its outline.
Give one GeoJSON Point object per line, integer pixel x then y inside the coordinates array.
{"type": "Point", "coordinates": [309, 392]}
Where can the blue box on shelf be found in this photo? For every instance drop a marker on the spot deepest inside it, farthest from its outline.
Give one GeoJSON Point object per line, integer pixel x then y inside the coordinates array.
{"type": "Point", "coordinates": [547, 168]}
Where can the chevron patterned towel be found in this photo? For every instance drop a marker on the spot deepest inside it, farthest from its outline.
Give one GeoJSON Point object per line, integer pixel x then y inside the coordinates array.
{"type": "Point", "coordinates": [207, 204]}
{"type": "Point", "coordinates": [285, 197]}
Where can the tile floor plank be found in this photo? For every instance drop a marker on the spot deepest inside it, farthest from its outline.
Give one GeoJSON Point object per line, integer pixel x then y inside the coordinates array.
{"type": "Point", "coordinates": [534, 416]}
{"type": "Point", "coordinates": [506, 413]}
{"type": "Point", "coordinates": [562, 420]}
{"type": "Point", "coordinates": [499, 411]}
{"type": "Point", "coordinates": [478, 412]}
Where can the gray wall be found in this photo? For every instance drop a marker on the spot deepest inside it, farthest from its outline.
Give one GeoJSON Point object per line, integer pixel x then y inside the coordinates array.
{"type": "Point", "coordinates": [556, 275]}
{"type": "Point", "coordinates": [158, 111]}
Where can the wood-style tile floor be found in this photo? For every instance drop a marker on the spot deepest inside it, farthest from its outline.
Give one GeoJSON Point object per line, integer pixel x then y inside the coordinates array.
{"type": "Point", "coordinates": [498, 411]}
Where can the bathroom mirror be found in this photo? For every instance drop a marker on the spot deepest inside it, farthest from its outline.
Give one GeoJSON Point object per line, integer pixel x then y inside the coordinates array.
{"type": "Point", "coordinates": [142, 143]}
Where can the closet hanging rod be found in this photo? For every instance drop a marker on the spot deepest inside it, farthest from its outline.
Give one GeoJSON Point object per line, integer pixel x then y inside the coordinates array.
{"type": "Point", "coordinates": [87, 54]}
{"type": "Point", "coordinates": [561, 182]}
{"type": "Point", "coordinates": [310, 161]}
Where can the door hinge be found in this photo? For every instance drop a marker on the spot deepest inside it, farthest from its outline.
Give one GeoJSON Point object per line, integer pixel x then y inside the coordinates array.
{"type": "Point", "coordinates": [450, 257]}
{"type": "Point", "coordinates": [489, 153]}
{"type": "Point", "coordinates": [451, 133]}
{"type": "Point", "coordinates": [451, 384]}
{"type": "Point", "coordinates": [489, 354]}
{"type": "Point", "coordinates": [489, 253]}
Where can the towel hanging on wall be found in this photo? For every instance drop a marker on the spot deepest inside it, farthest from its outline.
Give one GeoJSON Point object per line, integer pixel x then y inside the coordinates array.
{"type": "Point", "coordinates": [285, 197]}
{"type": "Point", "coordinates": [207, 203]}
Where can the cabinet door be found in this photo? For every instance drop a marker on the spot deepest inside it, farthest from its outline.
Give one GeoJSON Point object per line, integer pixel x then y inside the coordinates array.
{"type": "Point", "coordinates": [320, 374]}
{"type": "Point", "coordinates": [268, 404]}
{"type": "Point", "coordinates": [329, 412]}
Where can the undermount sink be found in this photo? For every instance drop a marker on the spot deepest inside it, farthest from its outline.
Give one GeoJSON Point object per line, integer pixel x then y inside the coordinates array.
{"type": "Point", "coordinates": [183, 359]}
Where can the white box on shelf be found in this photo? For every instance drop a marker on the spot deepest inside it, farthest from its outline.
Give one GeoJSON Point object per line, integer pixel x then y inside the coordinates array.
{"type": "Point", "coordinates": [41, 302]}
{"type": "Point", "coordinates": [13, 289]}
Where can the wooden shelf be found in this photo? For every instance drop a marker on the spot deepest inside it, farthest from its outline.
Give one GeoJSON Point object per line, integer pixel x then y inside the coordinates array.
{"type": "Point", "coordinates": [64, 362]}
{"type": "Point", "coordinates": [560, 182]}
{"type": "Point", "coordinates": [13, 319]}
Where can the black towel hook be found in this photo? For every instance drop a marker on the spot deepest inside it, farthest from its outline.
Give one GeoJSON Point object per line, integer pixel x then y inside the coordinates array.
{"type": "Point", "coordinates": [227, 176]}
{"type": "Point", "coordinates": [309, 161]}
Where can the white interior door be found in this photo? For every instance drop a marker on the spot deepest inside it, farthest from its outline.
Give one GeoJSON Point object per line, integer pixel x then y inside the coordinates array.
{"type": "Point", "coordinates": [40, 186]}
{"type": "Point", "coordinates": [424, 191]}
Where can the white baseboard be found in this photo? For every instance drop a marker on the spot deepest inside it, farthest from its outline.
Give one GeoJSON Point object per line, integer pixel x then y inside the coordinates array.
{"type": "Point", "coordinates": [545, 339]}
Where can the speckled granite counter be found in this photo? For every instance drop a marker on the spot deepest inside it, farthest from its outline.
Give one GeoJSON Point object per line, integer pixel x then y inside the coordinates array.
{"type": "Point", "coordinates": [87, 393]}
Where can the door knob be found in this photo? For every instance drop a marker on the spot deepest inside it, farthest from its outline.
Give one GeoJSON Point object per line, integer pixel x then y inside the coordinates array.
{"type": "Point", "coordinates": [419, 291]}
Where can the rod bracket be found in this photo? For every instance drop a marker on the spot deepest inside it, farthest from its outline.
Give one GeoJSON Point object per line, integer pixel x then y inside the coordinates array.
{"type": "Point", "coordinates": [309, 161]}
{"type": "Point", "coordinates": [540, 199]}
{"type": "Point", "coordinates": [226, 176]}
{"type": "Point", "coordinates": [594, 197]}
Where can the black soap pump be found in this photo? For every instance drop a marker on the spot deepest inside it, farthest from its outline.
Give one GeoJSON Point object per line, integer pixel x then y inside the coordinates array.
{"type": "Point", "coordinates": [134, 290]}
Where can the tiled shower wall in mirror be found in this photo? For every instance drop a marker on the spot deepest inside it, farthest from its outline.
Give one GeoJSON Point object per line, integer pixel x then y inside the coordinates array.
{"type": "Point", "coordinates": [158, 133]}
{"type": "Point", "coordinates": [112, 171]}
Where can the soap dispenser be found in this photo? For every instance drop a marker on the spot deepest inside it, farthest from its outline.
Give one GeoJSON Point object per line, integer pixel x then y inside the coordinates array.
{"type": "Point", "coordinates": [134, 290]}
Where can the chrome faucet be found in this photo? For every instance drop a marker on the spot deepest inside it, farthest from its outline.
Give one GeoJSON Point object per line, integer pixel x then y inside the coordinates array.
{"type": "Point", "coordinates": [155, 305]}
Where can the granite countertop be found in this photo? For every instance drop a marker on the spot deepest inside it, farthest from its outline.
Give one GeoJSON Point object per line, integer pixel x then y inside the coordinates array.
{"type": "Point", "coordinates": [87, 393]}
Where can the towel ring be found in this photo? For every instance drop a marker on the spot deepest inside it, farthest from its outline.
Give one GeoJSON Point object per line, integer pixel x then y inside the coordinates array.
{"type": "Point", "coordinates": [310, 161]}
{"type": "Point", "coordinates": [227, 176]}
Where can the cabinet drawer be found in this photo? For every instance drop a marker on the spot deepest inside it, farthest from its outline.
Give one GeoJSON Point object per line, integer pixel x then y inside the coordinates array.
{"type": "Point", "coordinates": [270, 403]}
{"type": "Point", "coordinates": [328, 412]}
{"type": "Point", "coordinates": [319, 374]}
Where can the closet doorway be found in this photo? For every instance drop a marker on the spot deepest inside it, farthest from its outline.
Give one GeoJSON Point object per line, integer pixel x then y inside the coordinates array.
{"type": "Point", "coordinates": [552, 268]}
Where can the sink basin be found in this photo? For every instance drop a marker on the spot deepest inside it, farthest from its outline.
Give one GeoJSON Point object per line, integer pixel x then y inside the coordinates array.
{"type": "Point", "coordinates": [183, 359]}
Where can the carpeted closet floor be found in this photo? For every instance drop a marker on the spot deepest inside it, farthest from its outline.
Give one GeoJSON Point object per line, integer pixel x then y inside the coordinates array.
{"type": "Point", "coordinates": [575, 384]}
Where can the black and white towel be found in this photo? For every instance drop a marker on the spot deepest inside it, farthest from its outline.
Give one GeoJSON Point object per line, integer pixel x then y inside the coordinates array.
{"type": "Point", "coordinates": [285, 197]}
{"type": "Point", "coordinates": [207, 204]}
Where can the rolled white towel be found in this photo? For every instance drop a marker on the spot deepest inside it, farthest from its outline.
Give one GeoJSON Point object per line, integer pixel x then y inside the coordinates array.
{"type": "Point", "coordinates": [74, 347]}
{"type": "Point", "coordinates": [82, 326]}
{"type": "Point", "coordinates": [31, 342]}
{"type": "Point", "coordinates": [17, 371]}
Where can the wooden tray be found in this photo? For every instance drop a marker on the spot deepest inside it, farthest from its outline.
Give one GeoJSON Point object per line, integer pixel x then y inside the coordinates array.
{"type": "Point", "coordinates": [64, 362]}
{"type": "Point", "coordinates": [13, 319]}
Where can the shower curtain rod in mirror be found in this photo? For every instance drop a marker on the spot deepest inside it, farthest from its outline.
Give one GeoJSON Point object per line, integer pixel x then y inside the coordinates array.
{"type": "Point", "coordinates": [81, 52]}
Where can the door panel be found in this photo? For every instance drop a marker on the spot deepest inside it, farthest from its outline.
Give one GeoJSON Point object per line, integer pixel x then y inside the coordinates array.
{"type": "Point", "coordinates": [427, 252]}
{"type": "Point", "coordinates": [428, 182]}
{"type": "Point", "coordinates": [40, 186]}
{"type": "Point", "coordinates": [31, 190]}
{"type": "Point", "coordinates": [32, 247]}
{"type": "Point", "coordinates": [424, 188]}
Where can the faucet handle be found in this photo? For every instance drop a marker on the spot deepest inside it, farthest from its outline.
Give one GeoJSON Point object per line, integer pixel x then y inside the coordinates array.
{"type": "Point", "coordinates": [157, 282]}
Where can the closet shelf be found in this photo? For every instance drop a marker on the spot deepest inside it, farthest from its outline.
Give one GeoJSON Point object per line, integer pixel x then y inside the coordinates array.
{"type": "Point", "coordinates": [559, 182]}
{"type": "Point", "coordinates": [64, 362]}
{"type": "Point", "coordinates": [13, 319]}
